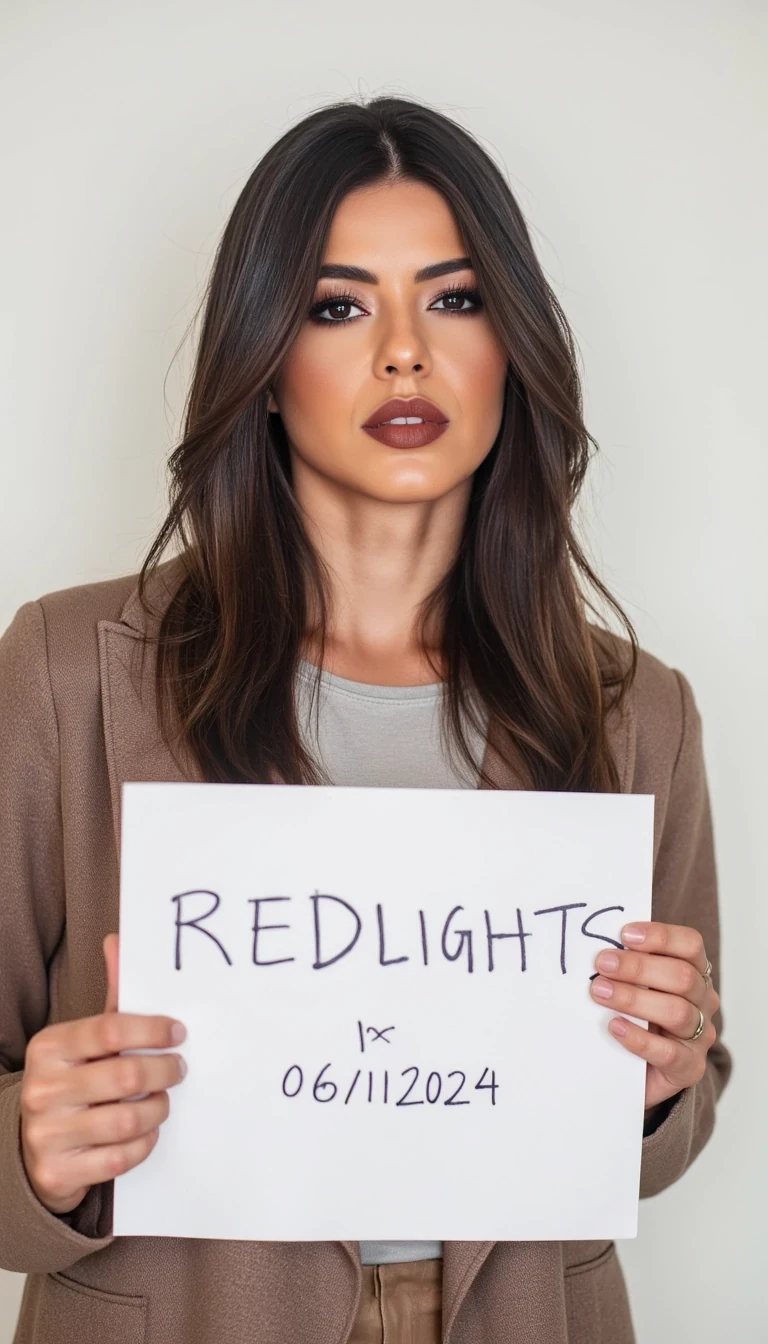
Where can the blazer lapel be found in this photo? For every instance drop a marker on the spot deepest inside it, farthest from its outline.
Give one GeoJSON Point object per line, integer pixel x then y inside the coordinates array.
{"type": "Point", "coordinates": [134, 747]}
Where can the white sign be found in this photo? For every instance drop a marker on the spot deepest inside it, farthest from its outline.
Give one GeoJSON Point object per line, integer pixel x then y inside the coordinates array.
{"type": "Point", "coordinates": [386, 993]}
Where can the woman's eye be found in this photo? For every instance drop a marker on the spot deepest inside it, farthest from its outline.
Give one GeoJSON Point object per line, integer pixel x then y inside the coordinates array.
{"type": "Point", "coordinates": [454, 300]}
{"type": "Point", "coordinates": [336, 309]}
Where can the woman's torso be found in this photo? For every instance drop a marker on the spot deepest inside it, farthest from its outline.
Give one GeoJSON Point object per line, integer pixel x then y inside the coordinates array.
{"type": "Point", "coordinates": [78, 718]}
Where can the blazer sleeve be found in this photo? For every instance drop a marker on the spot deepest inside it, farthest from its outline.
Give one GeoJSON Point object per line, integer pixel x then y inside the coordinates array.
{"type": "Point", "coordinates": [685, 892]}
{"type": "Point", "coordinates": [32, 914]}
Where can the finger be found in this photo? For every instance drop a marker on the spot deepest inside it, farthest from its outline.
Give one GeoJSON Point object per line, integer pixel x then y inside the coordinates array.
{"type": "Point", "coordinates": [669, 974]}
{"type": "Point", "coordinates": [122, 1076]}
{"type": "Point", "coordinates": [669, 1011]}
{"type": "Point", "coordinates": [90, 1038]}
{"type": "Point", "coordinates": [668, 940]}
{"type": "Point", "coordinates": [117, 1122]}
{"type": "Point", "coordinates": [111, 947]}
{"type": "Point", "coordinates": [62, 1174]}
{"type": "Point", "coordinates": [678, 1062]}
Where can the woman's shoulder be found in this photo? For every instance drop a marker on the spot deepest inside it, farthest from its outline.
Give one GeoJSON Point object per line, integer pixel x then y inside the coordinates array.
{"type": "Point", "coordinates": [84, 605]}
{"type": "Point", "coordinates": [659, 712]}
{"type": "Point", "coordinates": [658, 686]}
{"type": "Point", "coordinates": [60, 629]}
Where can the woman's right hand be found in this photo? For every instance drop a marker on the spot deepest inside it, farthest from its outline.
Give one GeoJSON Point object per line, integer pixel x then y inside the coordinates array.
{"type": "Point", "coordinates": [75, 1129]}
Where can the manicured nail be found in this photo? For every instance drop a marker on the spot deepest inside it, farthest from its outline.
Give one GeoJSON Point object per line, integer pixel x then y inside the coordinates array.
{"type": "Point", "coordinates": [603, 988]}
{"type": "Point", "coordinates": [182, 1067]}
{"type": "Point", "coordinates": [178, 1032]}
{"type": "Point", "coordinates": [618, 1026]}
{"type": "Point", "coordinates": [632, 934]}
{"type": "Point", "coordinates": [608, 961]}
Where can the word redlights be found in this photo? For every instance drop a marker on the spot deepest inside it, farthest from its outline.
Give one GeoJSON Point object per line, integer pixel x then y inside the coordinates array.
{"type": "Point", "coordinates": [338, 930]}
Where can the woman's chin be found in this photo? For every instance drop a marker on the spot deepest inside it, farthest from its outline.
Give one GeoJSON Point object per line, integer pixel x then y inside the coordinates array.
{"type": "Point", "coordinates": [410, 483]}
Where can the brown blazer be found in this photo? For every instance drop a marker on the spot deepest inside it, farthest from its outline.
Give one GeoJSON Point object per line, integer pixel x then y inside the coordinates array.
{"type": "Point", "coordinates": [75, 722]}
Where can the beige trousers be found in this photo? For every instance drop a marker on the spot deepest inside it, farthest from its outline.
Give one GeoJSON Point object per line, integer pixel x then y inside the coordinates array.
{"type": "Point", "coordinates": [400, 1304]}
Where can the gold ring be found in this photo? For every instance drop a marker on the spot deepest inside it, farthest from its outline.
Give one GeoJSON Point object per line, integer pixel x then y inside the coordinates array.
{"type": "Point", "coordinates": [707, 972]}
{"type": "Point", "coordinates": [698, 1030]}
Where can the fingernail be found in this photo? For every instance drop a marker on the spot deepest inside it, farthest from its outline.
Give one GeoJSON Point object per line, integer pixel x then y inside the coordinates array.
{"type": "Point", "coordinates": [618, 1026]}
{"type": "Point", "coordinates": [603, 988]}
{"type": "Point", "coordinates": [632, 934]}
{"type": "Point", "coordinates": [182, 1067]}
{"type": "Point", "coordinates": [608, 961]}
{"type": "Point", "coordinates": [178, 1032]}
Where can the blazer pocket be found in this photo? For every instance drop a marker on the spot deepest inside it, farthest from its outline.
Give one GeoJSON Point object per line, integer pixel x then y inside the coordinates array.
{"type": "Point", "coordinates": [579, 1256]}
{"type": "Point", "coordinates": [75, 1313]}
{"type": "Point", "coordinates": [596, 1301]}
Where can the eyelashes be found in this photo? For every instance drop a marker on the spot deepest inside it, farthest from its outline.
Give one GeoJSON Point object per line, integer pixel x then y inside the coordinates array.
{"type": "Point", "coordinates": [345, 297]}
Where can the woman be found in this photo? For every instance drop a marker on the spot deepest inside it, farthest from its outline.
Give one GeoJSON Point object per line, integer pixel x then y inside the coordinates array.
{"type": "Point", "coordinates": [424, 580]}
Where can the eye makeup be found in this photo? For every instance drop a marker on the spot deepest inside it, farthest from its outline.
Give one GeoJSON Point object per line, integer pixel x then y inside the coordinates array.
{"type": "Point", "coordinates": [342, 297]}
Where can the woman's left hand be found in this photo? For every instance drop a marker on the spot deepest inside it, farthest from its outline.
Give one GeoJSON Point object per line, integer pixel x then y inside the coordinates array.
{"type": "Point", "coordinates": [663, 983]}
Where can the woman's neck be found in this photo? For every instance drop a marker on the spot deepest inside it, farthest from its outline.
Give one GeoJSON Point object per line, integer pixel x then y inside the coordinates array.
{"type": "Point", "coordinates": [382, 560]}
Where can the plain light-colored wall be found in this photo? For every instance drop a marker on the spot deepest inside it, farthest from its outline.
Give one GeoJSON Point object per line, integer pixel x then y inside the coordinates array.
{"type": "Point", "coordinates": [632, 134]}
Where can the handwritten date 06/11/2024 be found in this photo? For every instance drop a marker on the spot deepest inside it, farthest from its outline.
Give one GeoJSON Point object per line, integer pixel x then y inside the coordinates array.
{"type": "Point", "coordinates": [404, 1087]}
{"type": "Point", "coordinates": [398, 1088]}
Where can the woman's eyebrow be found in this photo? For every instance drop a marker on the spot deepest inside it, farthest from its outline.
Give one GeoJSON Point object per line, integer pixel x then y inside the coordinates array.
{"type": "Point", "coordinates": [337, 271]}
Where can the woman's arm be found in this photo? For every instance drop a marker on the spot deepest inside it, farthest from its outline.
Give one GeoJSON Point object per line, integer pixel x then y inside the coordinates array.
{"type": "Point", "coordinates": [685, 892]}
{"type": "Point", "coordinates": [32, 910]}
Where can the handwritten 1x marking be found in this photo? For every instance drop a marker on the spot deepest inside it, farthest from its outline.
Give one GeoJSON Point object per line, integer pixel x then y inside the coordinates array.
{"type": "Point", "coordinates": [380, 1035]}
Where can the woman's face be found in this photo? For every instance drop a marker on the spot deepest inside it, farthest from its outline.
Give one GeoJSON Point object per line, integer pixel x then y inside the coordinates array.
{"type": "Point", "coordinates": [400, 339]}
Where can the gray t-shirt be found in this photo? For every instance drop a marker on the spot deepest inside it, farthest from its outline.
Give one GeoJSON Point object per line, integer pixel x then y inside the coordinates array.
{"type": "Point", "coordinates": [385, 737]}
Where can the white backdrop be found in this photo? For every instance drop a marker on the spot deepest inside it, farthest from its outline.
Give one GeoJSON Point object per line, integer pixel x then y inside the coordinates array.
{"type": "Point", "coordinates": [634, 138]}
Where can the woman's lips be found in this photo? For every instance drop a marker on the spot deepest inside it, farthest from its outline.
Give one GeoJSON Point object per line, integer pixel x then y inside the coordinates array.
{"type": "Point", "coordinates": [407, 436]}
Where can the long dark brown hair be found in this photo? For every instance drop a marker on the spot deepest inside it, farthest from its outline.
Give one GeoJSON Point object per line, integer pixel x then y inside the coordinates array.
{"type": "Point", "coordinates": [513, 607]}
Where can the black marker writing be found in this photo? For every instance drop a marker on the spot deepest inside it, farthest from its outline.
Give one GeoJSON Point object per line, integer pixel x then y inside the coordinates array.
{"type": "Point", "coordinates": [196, 922]}
{"type": "Point", "coordinates": [521, 934]}
{"type": "Point", "coordinates": [258, 928]}
{"type": "Point", "coordinates": [383, 960]}
{"type": "Point", "coordinates": [601, 936]}
{"type": "Point", "coordinates": [319, 964]}
{"type": "Point", "coordinates": [352, 1088]}
{"type": "Point", "coordinates": [413, 1091]}
{"type": "Point", "coordinates": [553, 910]}
{"type": "Point", "coordinates": [423, 924]}
{"type": "Point", "coordinates": [465, 938]}
{"type": "Point", "coordinates": [341, 930]}
{"type": "Point", "coordinates": [380, 1035]}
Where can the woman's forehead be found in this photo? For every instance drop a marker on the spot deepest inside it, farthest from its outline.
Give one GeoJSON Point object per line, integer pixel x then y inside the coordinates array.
{"type": "Point", "coordinates": [399, 227]}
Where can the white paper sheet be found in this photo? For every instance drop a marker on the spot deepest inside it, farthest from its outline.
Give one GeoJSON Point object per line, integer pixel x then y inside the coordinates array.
{"type": "Point", "coordinates": [355, 1099]}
